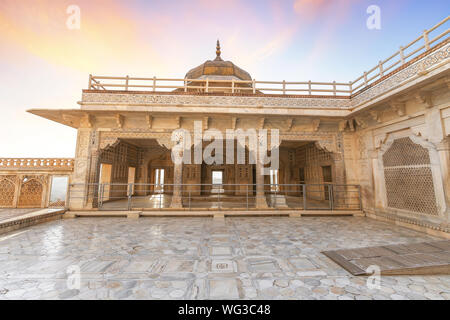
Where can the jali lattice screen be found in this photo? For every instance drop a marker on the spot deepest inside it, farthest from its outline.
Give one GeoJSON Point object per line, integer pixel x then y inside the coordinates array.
{"type": "Point", "coordinates": [408, 177]}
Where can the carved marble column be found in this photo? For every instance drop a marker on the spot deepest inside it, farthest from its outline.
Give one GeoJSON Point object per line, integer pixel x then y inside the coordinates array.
{"type": "Point", "coordinates": [261, 202]}
{"type": "Point", "coordinates": [378, 180]}
{"type": "Point", "coordinates": [435, 133]}
{"type": "Point", "coordinates": [177, 181]}
{"type": "Point", "coordinates": [443, 149]}
{"type": "Point", "coordinates": [79, 187]}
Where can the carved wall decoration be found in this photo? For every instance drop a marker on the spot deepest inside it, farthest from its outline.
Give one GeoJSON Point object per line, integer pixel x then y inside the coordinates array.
{"type": "Point", "coordinates": [31, 192]}
{"type": "Point", "coordinates": [7, 191]}
{"type": "Point", "coordinates": [408, 177]}
{"type": "Point", "coordinates": [83, 143]}
{"type": "Point", "coordinates": [311, 158]}
{"type": "Point", "coordinates": [174, 99]}
{"type": "Point", "coordinates": [411, 175]}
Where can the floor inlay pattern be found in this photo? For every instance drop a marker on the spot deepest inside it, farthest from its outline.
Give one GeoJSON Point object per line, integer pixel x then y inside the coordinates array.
{"type": "Point", "coordinates": [202, 258]}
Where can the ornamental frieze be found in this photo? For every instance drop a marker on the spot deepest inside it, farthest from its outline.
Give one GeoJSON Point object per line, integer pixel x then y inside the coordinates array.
{"type": "Point", "coordinates": [201, 100]}
{"type": "Point", "coordinates": [326, 140]}
{"type": "Point", "coordinates": [401, 76]}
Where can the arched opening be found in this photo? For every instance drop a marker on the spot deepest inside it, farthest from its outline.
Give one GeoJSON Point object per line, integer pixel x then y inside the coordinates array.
{"type": "Point", "coordinates": [410, 184]}
{"type": "Point", "coordinates": [306, 174]}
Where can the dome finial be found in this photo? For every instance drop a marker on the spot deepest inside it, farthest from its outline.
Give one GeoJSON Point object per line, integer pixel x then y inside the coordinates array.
{"type": "Point", "coordinates": [218, 52]}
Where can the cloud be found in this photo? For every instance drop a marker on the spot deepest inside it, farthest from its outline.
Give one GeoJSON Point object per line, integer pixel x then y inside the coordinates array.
{"type": "Point", "coordinates": [135, 33]}
{"type": "Point", "coordinates": [334, 10]}
{"type": "Point", "coordinates": [107, 36]}
{"type": "Point", "coordinates": [158, 38]}
{"type": "Point", "coordinates": [309, 9]}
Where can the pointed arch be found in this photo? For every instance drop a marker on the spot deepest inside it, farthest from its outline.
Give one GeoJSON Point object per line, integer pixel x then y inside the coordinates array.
{"type": "Point", "coordinates": [410, 171]}
{"type": "Point", "coordinates": [31, 192]}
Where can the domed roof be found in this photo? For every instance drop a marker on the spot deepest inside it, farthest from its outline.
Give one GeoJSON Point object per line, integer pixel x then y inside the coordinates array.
{"type": "Point", "coordinates": [218, 69]}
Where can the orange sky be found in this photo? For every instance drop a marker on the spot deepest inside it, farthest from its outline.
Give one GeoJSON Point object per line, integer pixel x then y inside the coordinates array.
{"type": "Point", "coordinates": [45, 65]}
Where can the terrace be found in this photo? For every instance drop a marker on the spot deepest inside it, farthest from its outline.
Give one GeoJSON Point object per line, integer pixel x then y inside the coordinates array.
{"type": "Point", "coordinates": [424, 45]}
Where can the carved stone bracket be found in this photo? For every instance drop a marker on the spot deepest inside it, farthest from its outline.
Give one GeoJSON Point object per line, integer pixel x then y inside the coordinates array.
{"type": "Point", "coordinates": [289, 124]}
{"type": "Point", "coordinates": [351, 125]}
{"type": "Point", "coordinates": [261, 123]}
{"type": "Point", "coordinates": [108, 142]}
{"type": "Point", "coordinates": [315, 125]}
{"type": "Point", "coordinates": [342, 125]}
{"type": "Point", "coordinates": [120, 121]}
{"type": "Point", "coordinates": [424, 97]}
{"type": "Point", "coordinates": [149, 119]}
{"type": "Point", "coordinates": [327, 145]}
{"type": "Point", "coordinates": [234, 122]}
{"type": "Point", "coordinates": [165, 141]}
{"type": "Point", "coordinates": [205, 123]}
{"type": "Point", "coordinates": [398, 107]}
{"type": "Point", "coordinates": [376, 115]}
{"type": "Point", "coordinates": [87, 121]}
{"type": "Point", "coordinates": [361, 122]}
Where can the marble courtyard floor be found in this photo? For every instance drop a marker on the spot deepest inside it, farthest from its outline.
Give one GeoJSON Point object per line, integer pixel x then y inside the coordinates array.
{"type": "Point", "coordinates": [6, 214]}
{"type": "Point", "coordinates": [202, 258]}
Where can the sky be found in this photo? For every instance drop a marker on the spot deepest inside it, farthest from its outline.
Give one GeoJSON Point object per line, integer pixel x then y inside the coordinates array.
{"type": "Point", "coordinates": [45, 64]}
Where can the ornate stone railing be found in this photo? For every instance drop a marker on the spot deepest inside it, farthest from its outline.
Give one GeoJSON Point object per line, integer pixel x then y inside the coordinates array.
{"type": "Point", "coordinates": [210, 85]}
{"type": "Point", "coordinates": [425, 42]}
{"type": "Point", "coordinates": [37, 163]}
{"type": "Point", "coordinates": [385, 68]}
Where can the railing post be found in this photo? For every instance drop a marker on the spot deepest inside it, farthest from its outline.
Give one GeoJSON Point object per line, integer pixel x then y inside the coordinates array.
{"type": "Point", "coordinates": [334, 88]}
{"type": "Point", "coordinates": [380, 65]}
{"type": "Point", "coordinates": [276, 195]}
{"type": "Point", "coordinates": [232, 85]}
{"type": "Point", "coordinates": [365, 78]}
{"type": "Point", "coordinates": [330, 194]}
{"type": "Point", "coordinates": [185, 85]}
{"type": "Point", "coordinates": [130, 191]}
{"type": "Point", "coordinates": [160, 201]}
{"type": "Point", "coordinates": [350, 87]}
{"type": "Point", "coordinates": [309, 87]}
{"type": "Point", "coordinates": [284, 86]}
{"type": "Point", "coordinates": [66, 205]}
{"type": "Point", "coordinates": [102, 188]}
{"type": "Point", "coordinates": [189, 200]}
{"type": "Point", "coordinates": [402, 55]}
{"type": "Point", "coordinates": [126, 83]}
{"type": "Point", "coordinates": [154, 84]}
{"type": "Point", "coordinates": [247, 197]}
{"type": "Point", "coordinates": [360, 198]}
{"type": "Point", "coordinates": [254, 86]}
{"type": "Point", "coordinates": [427, 41]}
{"type": "Point", "coordinates": [207, 85]}
{"type": "Point", "coordinates": [220, 206]}
{"type": "Point", "coordinates": [304, 196]}
{"type": "Point", "coordinates": [90, 82]}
